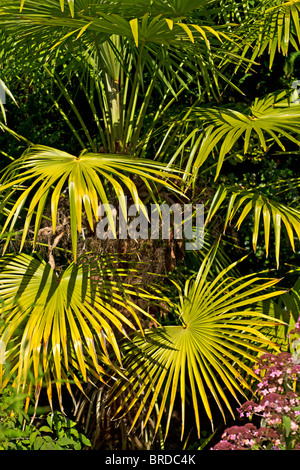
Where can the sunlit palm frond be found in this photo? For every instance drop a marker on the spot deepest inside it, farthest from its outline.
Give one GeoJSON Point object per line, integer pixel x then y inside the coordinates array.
{"type": "Point", "coordinates": [113, 50]}
{"type": "Point", "coordinates": [281, 29]}
{"type": "Point", "coordinates": [42, 171]}
{"type": "Point", "coordinates": [62, 327]}
{"type": "Point", "coordinates": [239, 202]}
{"type": "Point", "coordinates": [273, 27]}
{"type": "Point", "coordinates": [210, 352]}
{"type": "Point", "coordinates": [43, 28]}
{"type": "Point", "coordinates": [218, 130]}
{"type": "Point", "coordinates": [171, 8]}
{"type": "Point", "coordinates": [235, 11]}
{"type": "Point", "coordinates": [105, 19]}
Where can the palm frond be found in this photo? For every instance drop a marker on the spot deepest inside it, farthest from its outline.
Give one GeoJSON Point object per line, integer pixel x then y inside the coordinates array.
{"type": "Point", "coordinates": [211, 349]}
{"type": "Point", "coordinates": [275, 29]}
{"type": "Point", "coordinates": [42, 171]}
{"type": "Point", "coordinates": [107, 19]}
{"type": "Point", "coordinates": [218, 130]}
{"type": "Point", "coordinates": [171, 8]}
{"type": "Point", "coordinates": [107, 50]}
{"type": "Point", "coordinates": [241, 202]}
{"type": "Point", "coordinates": [63, 328]}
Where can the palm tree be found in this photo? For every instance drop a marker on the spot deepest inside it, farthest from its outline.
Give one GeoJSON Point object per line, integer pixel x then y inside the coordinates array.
{"type": "Point", "coordinates": [117, 72]}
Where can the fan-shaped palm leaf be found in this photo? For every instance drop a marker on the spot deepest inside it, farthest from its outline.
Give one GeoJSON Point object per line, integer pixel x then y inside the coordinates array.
{"type": "Point", "coordinates": [62, 328]}
{"type": "Point", "coordinates": [270, 116]}
{"type": "Point", "coordinates": [44, 171]}
{"type": "Point", "coordinates": [274, 27]}
{"type": "Point", "coordinates": [175, 8]}
{"type": "Point", "coordinates": [214, 346]}
{"type": "Point", "coordinates": [252, 200]}
{"type": "Point", "coordinates": [43, 27]}
{"type": "Point", "coordinates": [109, 18]}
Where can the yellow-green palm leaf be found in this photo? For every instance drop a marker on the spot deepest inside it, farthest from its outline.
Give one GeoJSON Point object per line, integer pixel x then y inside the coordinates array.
{"type": "Point", "coordinates": [175, 8]}
{"type": "Point", "coordinates": [275, 28]}
{"type": "Point", "coordinates": [61, 328]}
{"type": "Point", "coordinates": [44, 171]}
{"type": "Point", "coordinates": [270, 117]}
{"type": "Point", "coordinates": [266, 212]}
{"type": "Point", "coordinates": [141, 22]}
{"type": "Point", "coordinates": [210, 353]}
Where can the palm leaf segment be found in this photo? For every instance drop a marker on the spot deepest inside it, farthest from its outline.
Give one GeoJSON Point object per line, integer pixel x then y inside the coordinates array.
{"type": "Point", "coordinates": [46, 170]}
{"type": "Point", "coordinates": [176, 7]}
{"type": "Point", "coordinates": [213, 348]}
{"type": "Point", "coordinates": [287, 309]}
{"type": "Point", "coordinates": [268, 117]}
{"type": "Point", "coordinates": [63, 328]}
{"type": "Point", "coordinates": [156, 22]}
{"type": "Point", "coordinates": [151, 28]}
{"type": "Point", "coordinates": [241, 202]}
{"type": "Point", "coordinates": [274, 28]}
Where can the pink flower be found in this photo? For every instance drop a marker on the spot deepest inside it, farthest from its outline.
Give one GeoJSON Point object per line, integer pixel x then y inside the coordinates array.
{"type": "Point", "coordinates": [279, 376]}
{"type": "Point", "coordinates": [294, 426]}
{"type": "Point", "coordinates": [249, 442]}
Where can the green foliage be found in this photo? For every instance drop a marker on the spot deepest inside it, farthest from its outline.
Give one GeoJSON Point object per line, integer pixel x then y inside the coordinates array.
{"type": "Point", "coordinates": [181, 100]}
{"type": "Point", "coordinates": [58, 433]}
{"type": "Point", "coordinates": [12, 418]}
{"type": "Point", "coordinates": [50, 432]}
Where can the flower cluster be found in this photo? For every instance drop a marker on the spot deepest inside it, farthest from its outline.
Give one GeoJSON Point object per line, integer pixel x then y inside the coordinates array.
{"type": "Point", "coordinates": [279, 373]}
{"type": "Point", "coordinates": [238, 438]}
{"type": "Point", "coordinates": [278, 407]}
{"type": "Point", "coordinates": [249, 437]}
